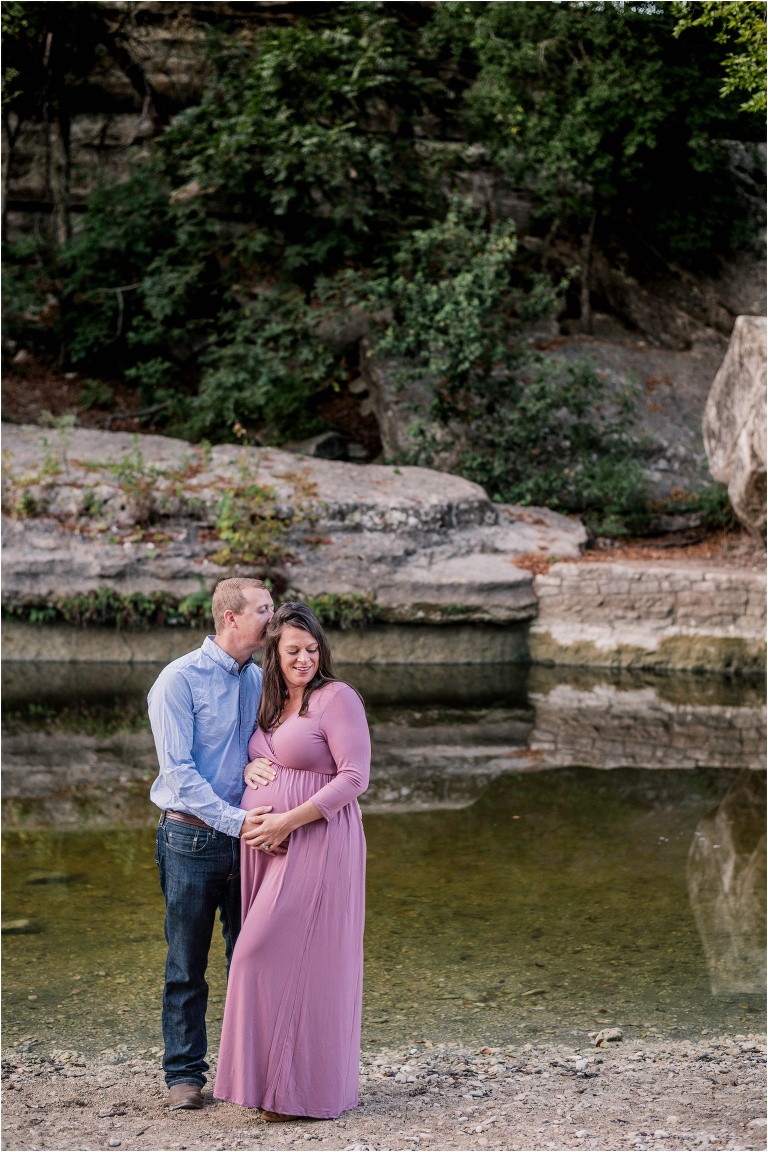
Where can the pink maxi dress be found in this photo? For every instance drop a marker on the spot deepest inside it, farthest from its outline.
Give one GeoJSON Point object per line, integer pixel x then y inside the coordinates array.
{"type": "Point", "coordinates": [290, 1039]}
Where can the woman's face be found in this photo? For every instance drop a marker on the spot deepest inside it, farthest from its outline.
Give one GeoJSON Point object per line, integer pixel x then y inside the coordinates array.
{"type": "Point", "coordinates": [299, 656]}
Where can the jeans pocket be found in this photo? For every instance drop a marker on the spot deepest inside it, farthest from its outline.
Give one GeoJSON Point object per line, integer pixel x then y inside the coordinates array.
{"type": "Point", "coordinates": [188, 839]}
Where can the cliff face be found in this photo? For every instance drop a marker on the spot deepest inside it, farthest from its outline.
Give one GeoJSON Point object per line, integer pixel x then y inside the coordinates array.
{"type": "Point", "coordinates": [149, 63]}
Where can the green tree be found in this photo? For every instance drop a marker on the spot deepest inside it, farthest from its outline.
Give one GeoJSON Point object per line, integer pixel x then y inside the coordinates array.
{"type": "Point", "coordinates": [743, 25]}
{"type": "Point", "coordinates": [603, 113]}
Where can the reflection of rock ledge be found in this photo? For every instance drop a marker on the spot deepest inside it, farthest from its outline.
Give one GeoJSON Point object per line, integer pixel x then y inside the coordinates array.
{"type": "Point", "coordinates": [440, 735]}
{"type": "Point", "coordinates": [607, 728]}
{"type": "Point", "coordinates": [726, 885]}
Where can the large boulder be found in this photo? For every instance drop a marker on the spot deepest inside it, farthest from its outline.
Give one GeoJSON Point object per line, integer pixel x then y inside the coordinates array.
{"type": "Point", "coordinates": [734, 423]}
{"type": "Point", "coordinates": [87, 510]}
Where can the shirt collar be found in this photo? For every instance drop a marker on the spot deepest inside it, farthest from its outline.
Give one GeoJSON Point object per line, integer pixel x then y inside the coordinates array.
{"type": "Point", "coordinates": [222, 658]}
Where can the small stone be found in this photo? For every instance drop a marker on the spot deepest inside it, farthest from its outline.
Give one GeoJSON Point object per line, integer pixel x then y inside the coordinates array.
{"type": "Point", "coordinates": [114, 1143]}
{"type": "Point", "coordinates": [31, 997]}
{"type": "Point", "coordinates": [48, 878]}
{"type": "Point", "coordinates": [758, 1122]}
{"type": "Point", "coordinates": [582, 1133]}
{"type": "Point", "coordinates": [607, 1035]}
{"type": "Point", "coordinates": [660, 1134]}
{"type": "Point", "coordinates": [19, 928]}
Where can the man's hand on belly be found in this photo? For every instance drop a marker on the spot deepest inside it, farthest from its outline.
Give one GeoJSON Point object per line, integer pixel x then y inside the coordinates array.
{"type": "Point", "coordinates": [251, 830]}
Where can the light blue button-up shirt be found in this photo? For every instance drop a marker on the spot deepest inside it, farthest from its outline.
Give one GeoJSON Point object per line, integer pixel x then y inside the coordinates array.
{"type": "Point", "coordinates": [202, 709]}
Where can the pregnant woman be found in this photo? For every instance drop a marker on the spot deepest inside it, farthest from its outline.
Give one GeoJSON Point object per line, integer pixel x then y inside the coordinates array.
{"type": "Point", "coordinates": [290, 1041]}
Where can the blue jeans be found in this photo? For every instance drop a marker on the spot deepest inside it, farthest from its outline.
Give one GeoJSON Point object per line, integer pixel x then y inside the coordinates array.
{"type": "Point", "coordinates": [199, 873]}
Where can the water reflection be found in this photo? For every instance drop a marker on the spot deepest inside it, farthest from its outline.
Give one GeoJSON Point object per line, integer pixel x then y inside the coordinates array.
{"type": "Point", "coordinates": [78, 749]}
{"type": "Point", "coordinates": [516, 887]}
{"type": "Point", "coordinates": [726, 871]}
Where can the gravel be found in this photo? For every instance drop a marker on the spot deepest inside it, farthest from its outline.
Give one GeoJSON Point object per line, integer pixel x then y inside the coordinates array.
{"type": "Point", "coordinates": [671, 1095]}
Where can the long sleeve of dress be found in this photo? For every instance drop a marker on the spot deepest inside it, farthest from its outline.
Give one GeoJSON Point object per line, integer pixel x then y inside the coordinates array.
{"type": "Point", "coordinates": [345, 728]}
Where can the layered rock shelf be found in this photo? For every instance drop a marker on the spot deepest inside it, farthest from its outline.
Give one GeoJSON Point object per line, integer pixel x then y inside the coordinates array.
{"type": "Point", "coordinates": [638, 614]}
{"type": "Point", "coordinates": [447, 573]}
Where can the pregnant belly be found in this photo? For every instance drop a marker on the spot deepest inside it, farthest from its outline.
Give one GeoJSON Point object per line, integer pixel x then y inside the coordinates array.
{"type": "Point", "coordinates": [288, 790]}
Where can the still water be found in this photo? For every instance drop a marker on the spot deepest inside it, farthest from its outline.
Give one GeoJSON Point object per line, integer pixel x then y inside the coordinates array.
{"type": "Point", "coordinates": [549, 853]}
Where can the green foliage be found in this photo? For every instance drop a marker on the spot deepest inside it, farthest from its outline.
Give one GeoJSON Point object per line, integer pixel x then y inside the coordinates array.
{"type": "Point", "coordinates": [318, 173]}
{"type": "Point", "coordinates": [137, 480]}
{"type": "Point", "coordinates": [43, 45]}
{"type": "Point", "coordinates": [95, 394]}
{"type": "Point", "coordinates": [599, 108]}
{"type": "Point", "coordinates": [249, 527]}
{"type": "Point", "coordinates": [30, 312]}
{"type": "Point", "coordinates": [104, 607]}
{"type": "Point", "coordinates": [711, 506]}
{"type": "Point", "coordinates": [742, 24]}
{"type": "Point", "coordinates": [344, 610]}
{"type": "Point", "coordinates": [558, 436]}
{"type": "Point", "coordinates": [307, 139]}
{"type": "Point", "coordinates": [310, 130]}
{"type": "Point", "coordinates": [449, 295]}
{"type": "Point", "coordinates": [265, 370]}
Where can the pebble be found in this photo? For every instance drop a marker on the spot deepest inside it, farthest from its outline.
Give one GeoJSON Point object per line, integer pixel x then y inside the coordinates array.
{"type": "Point", "coordinates": [48, 877]}
{"type": "Point", "coordinates": [114, 1144]}
{"type": "Point", "coordinates": [19, 928]}
{"type": "Point", "coordinates": [606, 1034]}
{"type": "Point", "coordinates": [444, 1074]}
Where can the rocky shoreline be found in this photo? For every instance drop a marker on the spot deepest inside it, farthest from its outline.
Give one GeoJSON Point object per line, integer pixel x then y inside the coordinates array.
{"type": "Point", "coordinates": [655, 1094]}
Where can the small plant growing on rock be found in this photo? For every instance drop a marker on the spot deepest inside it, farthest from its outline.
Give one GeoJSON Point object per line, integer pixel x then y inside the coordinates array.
{"type": "Point", "coordinates": [138, 481]}
{"type": "Point", "coordinates": [344, 610]}
{"type": "Point", "coordinates": [55, 456]}
{"type": "Point", "coordinates": [248, 523]}
{"type": "Point", "coordinates": [249, 527]}
{"type": "Point", "coordinates": [91, 504]}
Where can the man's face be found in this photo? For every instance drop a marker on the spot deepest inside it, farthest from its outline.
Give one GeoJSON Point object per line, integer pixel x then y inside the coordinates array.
{"type": "Point", "coordinates": [253, 620]}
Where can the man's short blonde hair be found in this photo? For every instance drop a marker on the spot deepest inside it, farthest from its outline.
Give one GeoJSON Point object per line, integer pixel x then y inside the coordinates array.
{"type": "Point", "coordinates": [228, 597]}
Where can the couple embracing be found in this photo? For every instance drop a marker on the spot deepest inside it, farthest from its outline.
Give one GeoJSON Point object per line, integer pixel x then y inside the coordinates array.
{"type": "Point", "coordinates": [284, 865]}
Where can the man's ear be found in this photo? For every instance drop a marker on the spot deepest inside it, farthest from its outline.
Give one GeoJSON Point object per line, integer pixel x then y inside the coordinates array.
{"type": "Point", "coordinates": [229, 619]}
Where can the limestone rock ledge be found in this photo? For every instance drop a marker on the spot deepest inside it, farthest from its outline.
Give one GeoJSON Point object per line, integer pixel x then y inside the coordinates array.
{"type": "Point", "coordinates": [639, 614]}
{"type": "Point", "coordinates": [431, 547]}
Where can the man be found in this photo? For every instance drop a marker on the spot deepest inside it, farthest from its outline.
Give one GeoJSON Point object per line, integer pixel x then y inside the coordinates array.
{"type": "Point", "coordinates": [202, 709]}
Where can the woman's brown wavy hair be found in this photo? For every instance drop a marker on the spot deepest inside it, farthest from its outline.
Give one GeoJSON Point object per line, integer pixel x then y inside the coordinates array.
{"type": "Point", "coordinates": [274, 692]}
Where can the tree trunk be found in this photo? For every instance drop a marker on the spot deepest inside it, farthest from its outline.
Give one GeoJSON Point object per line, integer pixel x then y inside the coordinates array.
{"type": "Point", "coordinates": [586, 263]}
{"type": "Point", "coordinates": [60, 176]}
{"type": "Point", "coordinates": [11, 128]}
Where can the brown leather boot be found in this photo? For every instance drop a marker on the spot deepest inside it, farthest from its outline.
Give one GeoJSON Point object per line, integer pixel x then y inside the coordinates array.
{"type": "Point", "coordinates": [185, 1096]}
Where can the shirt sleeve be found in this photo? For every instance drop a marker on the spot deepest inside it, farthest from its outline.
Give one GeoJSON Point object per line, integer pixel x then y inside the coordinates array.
{"type": "Point", "coordinates": [345, 728]}
{"type": "Point", "coordinates": [172, 717]}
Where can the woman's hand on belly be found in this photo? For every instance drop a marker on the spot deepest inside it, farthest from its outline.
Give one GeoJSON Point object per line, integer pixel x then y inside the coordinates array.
{"type": "Point", "coordinates": [274, 828]}
{"type": "Point", "coordinates": [259, 771]}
